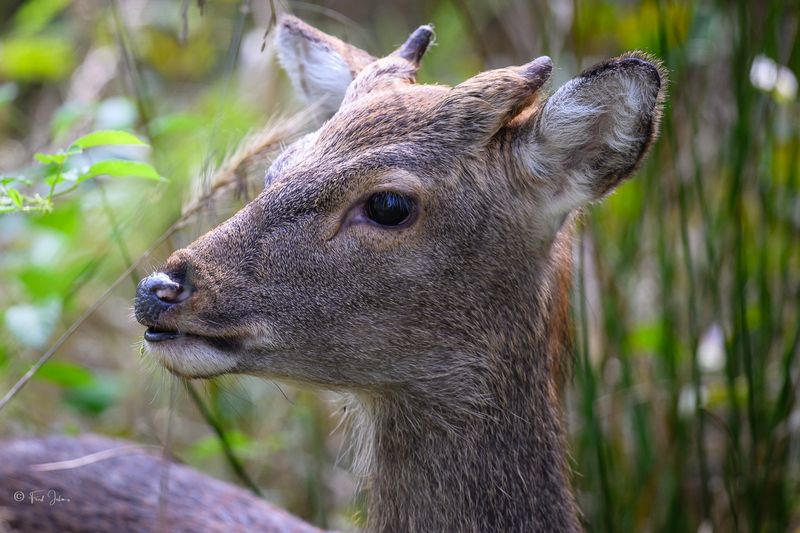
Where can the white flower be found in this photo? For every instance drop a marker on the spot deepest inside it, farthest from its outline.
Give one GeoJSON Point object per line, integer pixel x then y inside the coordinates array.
{"type": "Point", "coordinates": [711, 349]}
{"type": "Point", "coordinates": [767, 75]}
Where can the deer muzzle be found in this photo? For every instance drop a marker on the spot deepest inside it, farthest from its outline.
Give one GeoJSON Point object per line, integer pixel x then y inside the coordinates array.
{"type": "Point", "coordinates": [155, 295]}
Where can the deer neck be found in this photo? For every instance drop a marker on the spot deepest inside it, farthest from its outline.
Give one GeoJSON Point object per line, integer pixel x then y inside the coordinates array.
{"type": "Point", "coordinates": [489, 455]}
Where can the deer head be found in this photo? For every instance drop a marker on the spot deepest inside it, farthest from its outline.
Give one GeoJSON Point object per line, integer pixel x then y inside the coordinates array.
{"type": "Point", "coordinates": [407, 238]}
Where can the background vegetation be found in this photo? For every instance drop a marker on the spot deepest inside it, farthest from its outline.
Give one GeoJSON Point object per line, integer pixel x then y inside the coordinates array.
{"type": "Point", "coordinates": [683, 405]}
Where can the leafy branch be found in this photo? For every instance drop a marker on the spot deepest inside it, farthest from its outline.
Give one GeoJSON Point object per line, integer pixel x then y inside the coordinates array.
{"type": "Point", "coordinates": [61, 177]}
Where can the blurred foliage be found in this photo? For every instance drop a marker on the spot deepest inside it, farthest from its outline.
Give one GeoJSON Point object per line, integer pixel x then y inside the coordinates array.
{"type": "Point", "coordinates": [682, 410]}
{"type": "Point", "coordinates": [59, 168]}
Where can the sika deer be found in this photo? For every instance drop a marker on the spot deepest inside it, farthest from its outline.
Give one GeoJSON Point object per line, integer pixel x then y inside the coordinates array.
{"type": "Point", "coordinates": [414, 253]}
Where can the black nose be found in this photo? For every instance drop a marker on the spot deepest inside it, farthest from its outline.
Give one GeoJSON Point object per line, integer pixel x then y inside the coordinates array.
{"type": "Point", "coordinates": [155, 294]}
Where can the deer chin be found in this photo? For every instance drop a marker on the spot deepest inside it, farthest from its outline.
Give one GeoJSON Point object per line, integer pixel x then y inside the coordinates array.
{"type": "Point", "coordinates": [188, 355]}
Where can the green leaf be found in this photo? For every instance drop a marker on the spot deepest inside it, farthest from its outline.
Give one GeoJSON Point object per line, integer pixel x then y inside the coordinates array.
{"type": "Point", "coordinates": [67, 220]}
{"type": "Point", "coordinates": [8, 91]}
{"type": "Point", "coordinates": [32, 324]}
{"type": "Point", "coordinates": [175, 124]}
{"type": "Point", "coordinates": [240, 443]}
{"type": "Point", "coordinates": [6, 180]}
{"type": "Point", "coordinates": [95, 397]}
{"type": "Point", "coordinates": [16, 197]}
{"type": "Point", "coordinates": [53, 179]}
{"type": "Point", "coordinates": [65, 374]}
{"type": "Point", "coordinates": [66, 116]}
{"type": "Point", "coordinates": [36, 14]}
{"type": "Point", "coordinates": [119, 168]}
{"type": "Point", "coordinates": [107, 137]}
{"type": "Point", "coordinates": [646, 337]}
{"type": "Point", "coordinates": [37, 58]}
{"type": "Point", "coordinates": [70, 175]}
{"type": "Point", "coordinates": [50, 159]}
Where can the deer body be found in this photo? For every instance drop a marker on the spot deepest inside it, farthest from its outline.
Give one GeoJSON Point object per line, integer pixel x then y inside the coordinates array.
{"type": "Point", "coordinates": [414, 254]}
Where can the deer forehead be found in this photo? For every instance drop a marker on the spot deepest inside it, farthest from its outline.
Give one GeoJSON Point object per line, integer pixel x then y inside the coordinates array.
{"type": "Point", "coordinates": [405, 115]}
{"type": "Point", "coordinates": [392, 139]}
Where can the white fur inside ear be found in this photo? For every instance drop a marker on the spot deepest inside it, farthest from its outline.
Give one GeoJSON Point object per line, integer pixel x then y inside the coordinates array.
{"type": "Point", "coordinates": [590, 134]}
{"type": "Point", "coordinates": [318, 73]}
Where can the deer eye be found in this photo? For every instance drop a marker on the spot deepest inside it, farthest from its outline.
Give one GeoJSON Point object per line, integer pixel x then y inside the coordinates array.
{"type": "Point", "coordinates": [389, 208]}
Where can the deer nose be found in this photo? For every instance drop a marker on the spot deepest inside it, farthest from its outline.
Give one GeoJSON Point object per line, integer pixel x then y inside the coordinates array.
{"type": "Point", "coordinates": [155, 294]}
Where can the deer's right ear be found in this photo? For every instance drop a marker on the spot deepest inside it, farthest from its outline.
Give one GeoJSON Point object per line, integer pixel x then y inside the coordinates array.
{"type": "Point", "coordinates": [319, 65]}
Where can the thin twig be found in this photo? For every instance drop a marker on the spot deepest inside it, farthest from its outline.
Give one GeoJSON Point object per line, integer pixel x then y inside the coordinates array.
{"type": "Point", "coordinates": [273, 21]}
{"type": "Point", "coordinates": [77, 324]}
{"type": "Point", "coordinates": [166, 462]}
{"type": "Point", "coordinates": [241, 473]}
{"type": "Point", "coordinates": [184, 22]}
{"type": "Point", "coordinates": [96, 457]}
{"type": "Point", "coordinates": [472, 30]}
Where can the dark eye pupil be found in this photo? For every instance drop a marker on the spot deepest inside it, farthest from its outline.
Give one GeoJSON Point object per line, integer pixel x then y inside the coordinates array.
{"type": "Point", "coordinates": [389, 208]}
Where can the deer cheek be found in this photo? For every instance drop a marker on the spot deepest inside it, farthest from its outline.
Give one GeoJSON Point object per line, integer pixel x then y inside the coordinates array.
{"type": "Point", "coordinates": [376, 239]}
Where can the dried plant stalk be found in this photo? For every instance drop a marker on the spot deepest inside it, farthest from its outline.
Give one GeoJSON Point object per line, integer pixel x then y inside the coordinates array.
{"type": "Point", "coordinates": [247, 164]}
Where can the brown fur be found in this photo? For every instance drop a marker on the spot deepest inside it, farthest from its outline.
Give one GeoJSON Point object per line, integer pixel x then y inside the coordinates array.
{"type": "Point", "coordinates": [449, 335]}
{"type": "Point", "coordinates": [121, 492]}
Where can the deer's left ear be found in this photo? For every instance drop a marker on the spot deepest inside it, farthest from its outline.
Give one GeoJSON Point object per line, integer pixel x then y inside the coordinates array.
{"type": "Point", "coordinates": [594, 131]}
{"type": "Point", "coordinates": [319, 65]}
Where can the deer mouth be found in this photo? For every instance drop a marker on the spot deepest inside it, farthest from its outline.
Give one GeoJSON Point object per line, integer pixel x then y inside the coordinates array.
{"type": "Point", "coordinates": [158, 334]}
{"type": "Point", "coordinates": [190, 355]}
{"type": "Point", "coordinates": [154, 334]}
